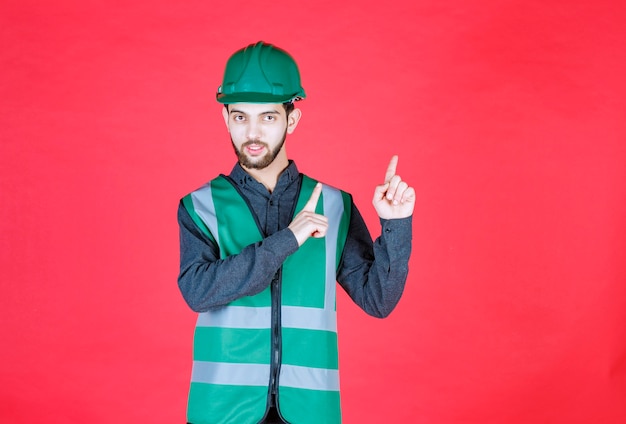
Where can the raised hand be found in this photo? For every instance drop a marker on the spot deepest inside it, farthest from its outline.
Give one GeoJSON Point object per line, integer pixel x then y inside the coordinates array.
{"type": "Point", "coordinates": [394, 198]}
{"type": "Point", "coordinates": [307, 223]}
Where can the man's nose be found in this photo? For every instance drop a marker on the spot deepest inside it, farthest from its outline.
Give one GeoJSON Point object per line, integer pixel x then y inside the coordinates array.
{"type": "Point", "coordinates": [253, 131]}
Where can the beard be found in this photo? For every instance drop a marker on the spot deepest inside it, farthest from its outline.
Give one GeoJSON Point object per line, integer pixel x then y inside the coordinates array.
{"type": "Point", "coordinates": [261, 162]}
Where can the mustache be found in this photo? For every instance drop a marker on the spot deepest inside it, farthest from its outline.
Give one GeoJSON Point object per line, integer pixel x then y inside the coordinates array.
{"type": "Point", "coordinates": [250, 142]}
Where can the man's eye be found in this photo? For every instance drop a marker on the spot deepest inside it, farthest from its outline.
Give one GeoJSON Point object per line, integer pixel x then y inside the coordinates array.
{"type": "Point", "coordinates": [238, 118]}
{"type": "Point", "coordinates": [270, 118]}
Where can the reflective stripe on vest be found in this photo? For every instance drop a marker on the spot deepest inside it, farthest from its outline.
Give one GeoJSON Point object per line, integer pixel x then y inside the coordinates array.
{"type": "Point", "coordinates": [231, 368]}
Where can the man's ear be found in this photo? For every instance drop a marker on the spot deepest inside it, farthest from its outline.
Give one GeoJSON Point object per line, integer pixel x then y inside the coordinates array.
{"type": "Point", "coordinates": [225, 115]}
{"type": "Point", "coordinates": [293, 119]}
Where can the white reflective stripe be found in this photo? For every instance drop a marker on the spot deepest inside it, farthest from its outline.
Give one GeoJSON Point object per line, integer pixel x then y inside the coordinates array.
{"type": "Point", "coordinates": [260, 318]}
{"type": "Point", "coordinates": [205, 208]}
{"type": "Point", "coordinates": [230, 374]}
{"type": "Point", "coordinates": [333, 209]}
{"type": "Point", "coordinates": [309, 378]}
{"type": "Point", "coordinates": [308, 318]}
{"type": "Point", "coordinates": [236, 317]}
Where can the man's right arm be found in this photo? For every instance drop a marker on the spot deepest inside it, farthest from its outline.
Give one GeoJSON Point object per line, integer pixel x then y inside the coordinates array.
{"type": "Point", "coordinates": [207, 282]}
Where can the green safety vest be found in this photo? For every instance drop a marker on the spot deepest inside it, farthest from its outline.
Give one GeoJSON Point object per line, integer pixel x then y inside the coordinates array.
{"type": "Point", "coordinates": [233, 344]}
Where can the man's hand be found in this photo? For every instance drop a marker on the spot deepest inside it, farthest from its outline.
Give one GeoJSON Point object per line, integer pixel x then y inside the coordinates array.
{"type": "Point", "coordinates": [394, 198]}
{"type": "Point", "coordinates": [307, 223]}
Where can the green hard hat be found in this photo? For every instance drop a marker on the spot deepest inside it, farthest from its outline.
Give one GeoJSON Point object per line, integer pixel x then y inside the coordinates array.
{"type": "Point", "coordinates": [260, 73]}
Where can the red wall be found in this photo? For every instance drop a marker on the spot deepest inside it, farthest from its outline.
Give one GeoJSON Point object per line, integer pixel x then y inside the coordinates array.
{"type": "Point", "coordinates": [508, 117]}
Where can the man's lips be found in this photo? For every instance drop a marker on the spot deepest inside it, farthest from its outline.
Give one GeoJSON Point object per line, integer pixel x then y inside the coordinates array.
{"type": "Point", "coordinates": [255, 149]}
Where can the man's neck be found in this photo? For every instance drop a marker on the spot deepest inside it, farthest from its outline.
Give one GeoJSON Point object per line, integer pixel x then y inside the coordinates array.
{"type": "Point", "coordinates": [268, 176]}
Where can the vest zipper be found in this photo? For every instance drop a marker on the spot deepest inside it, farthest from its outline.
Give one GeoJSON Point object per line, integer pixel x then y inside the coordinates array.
{"type": "Point", "coordinates": [276, 351]}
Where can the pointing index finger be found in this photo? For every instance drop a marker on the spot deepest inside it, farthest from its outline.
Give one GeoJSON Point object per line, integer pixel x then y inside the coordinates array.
{"type": "Point", "coordinates": [312, 202]}
{"type": "Point", "coordinates": [391, 169]}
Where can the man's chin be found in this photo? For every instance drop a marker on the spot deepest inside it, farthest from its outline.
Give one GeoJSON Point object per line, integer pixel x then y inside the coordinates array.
{"type": "Point", "coordinates": [256, 163]}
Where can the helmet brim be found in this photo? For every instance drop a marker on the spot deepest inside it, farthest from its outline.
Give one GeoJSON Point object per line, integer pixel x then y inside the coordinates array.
{"type": "Point", "coordinates": [257, 98]}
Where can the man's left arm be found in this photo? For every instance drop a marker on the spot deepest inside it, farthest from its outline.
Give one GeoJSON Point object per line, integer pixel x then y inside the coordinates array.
{"type": "Point", "coordinates": [374, 275]}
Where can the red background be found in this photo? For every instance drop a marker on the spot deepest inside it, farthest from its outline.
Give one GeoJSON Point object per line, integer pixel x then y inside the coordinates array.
{"type": "Point", "coordinates": [508, 117]}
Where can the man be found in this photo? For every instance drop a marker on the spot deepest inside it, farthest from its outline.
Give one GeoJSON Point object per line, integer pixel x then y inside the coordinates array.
{"type": "Point", "coordinates": [261, 252]}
